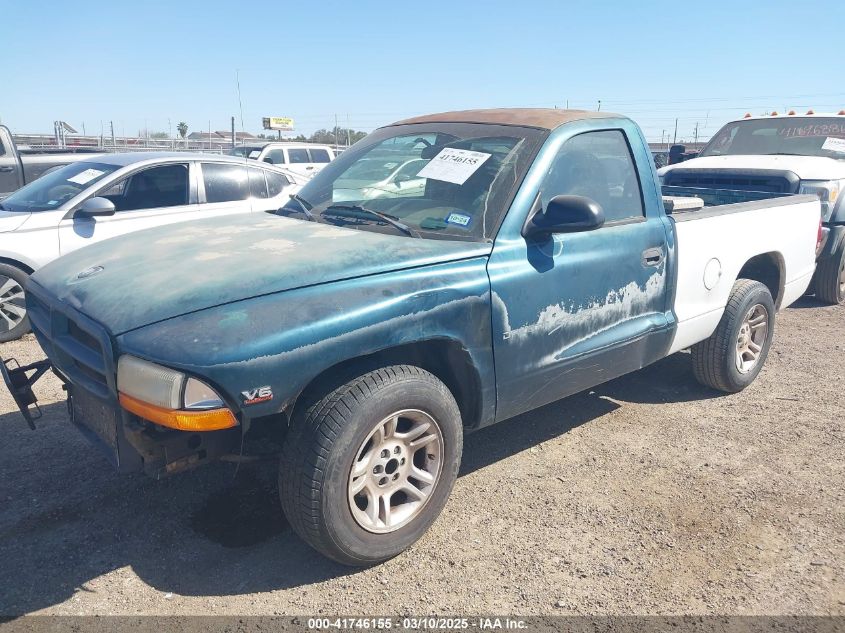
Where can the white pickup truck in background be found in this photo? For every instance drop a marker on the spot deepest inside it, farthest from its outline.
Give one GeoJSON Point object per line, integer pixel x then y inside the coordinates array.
{"type": "Point", "coordinates": [781, 154]}
{"type": "Point", "coordinates": [305, 159]}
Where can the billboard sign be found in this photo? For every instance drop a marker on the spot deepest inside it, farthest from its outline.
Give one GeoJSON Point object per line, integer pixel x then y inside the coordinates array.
{"type": "Point", "coordinates": [278, 123]}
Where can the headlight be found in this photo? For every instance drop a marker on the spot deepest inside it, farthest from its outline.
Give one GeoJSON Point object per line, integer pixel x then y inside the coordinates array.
{"type": "Point", "coordinates": [169, 397]}
{"type": "Point", "coordinates": [149, 382]}
{"type": "Point", "coordinates": [199, 396]}
{"type": "Point", "coordinates": [827, 190]}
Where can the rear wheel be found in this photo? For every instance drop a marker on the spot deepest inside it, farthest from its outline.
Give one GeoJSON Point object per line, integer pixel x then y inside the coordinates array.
{"type": "Point", "coordinates": [367, 467]}
{"type": "Point", "coordinates": [735, 353]}
{"type": "Point", "coordinates": [830, 278]}
{"type": "Point", "coordinates": [13, 320]}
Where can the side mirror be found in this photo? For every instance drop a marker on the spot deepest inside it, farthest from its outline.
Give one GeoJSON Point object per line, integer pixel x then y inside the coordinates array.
{"type": "Point", "coordinates": [398, 180]}
{"type": "Point", "coordinates": [268, 160]}
{"type": "Point", "coordinates": [564, 214]}
{"type": "Point", "coordinates": [95, 206]}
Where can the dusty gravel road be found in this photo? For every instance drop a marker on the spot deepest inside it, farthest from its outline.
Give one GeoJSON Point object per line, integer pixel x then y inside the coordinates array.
{"type": "Point", "coordinates": [646, 495]}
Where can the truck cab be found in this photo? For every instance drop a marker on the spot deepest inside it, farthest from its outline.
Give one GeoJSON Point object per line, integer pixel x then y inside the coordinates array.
{"type": "Point", "coordinates": [19, 167]}
{"type": "Point", "coordinates": [782, 154]}
{"type": "Point", "coordinates": [305, 159]}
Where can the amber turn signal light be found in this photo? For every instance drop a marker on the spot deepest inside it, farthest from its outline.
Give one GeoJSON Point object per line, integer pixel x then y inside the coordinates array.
{"type": "Point", "coordinates": [209, 420]}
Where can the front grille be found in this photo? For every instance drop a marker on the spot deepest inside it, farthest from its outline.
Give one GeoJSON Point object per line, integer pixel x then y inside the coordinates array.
{"type": "Point", "coordinates": [77, 346]}
{"type": "Point", "coordinates": [84, 337]}
{"type": "Point", "coordinates": [770, 181]}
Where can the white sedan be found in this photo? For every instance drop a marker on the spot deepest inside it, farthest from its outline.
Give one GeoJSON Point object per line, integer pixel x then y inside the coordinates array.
{"type": "Point", "coordinates": [110, 195]}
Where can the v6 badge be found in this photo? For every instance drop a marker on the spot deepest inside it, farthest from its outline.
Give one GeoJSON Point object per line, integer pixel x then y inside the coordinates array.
{"type": "Point", "coordinates": [260, 394]}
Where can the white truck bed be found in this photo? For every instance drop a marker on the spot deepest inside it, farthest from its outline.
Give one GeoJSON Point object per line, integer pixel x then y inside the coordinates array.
{"type": "Point", "coordinates": [714, 243]}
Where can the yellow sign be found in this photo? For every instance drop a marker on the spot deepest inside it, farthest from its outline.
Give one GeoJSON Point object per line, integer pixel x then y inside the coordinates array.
{"type": "Point", "coordinates": [278, 123]}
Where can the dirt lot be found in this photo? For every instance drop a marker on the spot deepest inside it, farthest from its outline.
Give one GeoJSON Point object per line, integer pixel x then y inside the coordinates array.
{"type": "Point", "coordinates": [647, 495]}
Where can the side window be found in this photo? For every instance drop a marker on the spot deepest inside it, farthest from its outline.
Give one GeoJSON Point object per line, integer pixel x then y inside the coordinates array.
{"type": "Point", "coordinates": [276, 183]}
{"type": "Point", "coordinates": [597, 165]}
{"type": "Point", "coordinates": [3, 149]}
{"type": "Point", "coordinates": [225, 183]}
{"type": "Point", "coordinates": [153, 188]}
{"type": "Point", "coordinates": [319, 156]}
{"type": "Point", "coordinates": [116, 191]}
{"type": "Point", "coordinates": [298, 155]}
{"type": "Point", "coordinates": [257, 185]}
{"type": "Point", "coordinates": [275, 157]}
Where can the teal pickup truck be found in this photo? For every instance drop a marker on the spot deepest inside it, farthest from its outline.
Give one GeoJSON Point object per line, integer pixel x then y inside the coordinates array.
{"type": "Point", "coordinates": [445, 273]}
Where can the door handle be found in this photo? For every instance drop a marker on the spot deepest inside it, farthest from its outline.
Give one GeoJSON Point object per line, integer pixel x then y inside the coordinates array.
{"type": "Point", "coordinates": [652, 256]}
{"type": "Point", "coordinates": [7, 169]}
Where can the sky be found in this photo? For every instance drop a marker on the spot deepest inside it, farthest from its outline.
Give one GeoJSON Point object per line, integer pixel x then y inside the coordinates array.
{"type": "Point", "coordinates": [149, 65]}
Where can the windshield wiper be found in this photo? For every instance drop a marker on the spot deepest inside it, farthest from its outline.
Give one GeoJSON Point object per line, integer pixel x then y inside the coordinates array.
{"type": "Point", "coordinates": [355, 209]}
{"type": "Point", "coordinates": [304, 205]}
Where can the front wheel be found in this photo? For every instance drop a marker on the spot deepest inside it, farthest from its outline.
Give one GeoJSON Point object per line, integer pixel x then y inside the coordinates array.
{"type": "Point", "coordinates": [734, 354]}
{"type": "Point", "coordinates": [367, 468]}
{"type": "Point", "coordinates": [830, 278]}
{"type": "Point", "coordinates": [13, 320]}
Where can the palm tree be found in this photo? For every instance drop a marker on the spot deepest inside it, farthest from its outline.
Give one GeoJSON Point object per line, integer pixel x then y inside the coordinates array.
{"type": "Point", "coordinates": [182, 129]}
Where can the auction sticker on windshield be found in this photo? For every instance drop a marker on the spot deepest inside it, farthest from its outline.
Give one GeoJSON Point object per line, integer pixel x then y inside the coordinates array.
{"type": "Point", "coordinates": [454, 165]}
{"type": "Point", "coordinates": [833, 144]}
{"type": "Point", "coordinates": [84, 177]}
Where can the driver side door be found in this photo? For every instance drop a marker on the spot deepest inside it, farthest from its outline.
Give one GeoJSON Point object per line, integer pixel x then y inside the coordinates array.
{"type": "Point", "coordinates": [573, 310]}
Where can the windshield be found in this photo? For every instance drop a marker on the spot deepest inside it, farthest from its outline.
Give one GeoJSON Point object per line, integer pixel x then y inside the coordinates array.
{"type": "Point", "coordinates": [805, 136]}
{"type": "Point", "coordinates": [442, 180]}
{"type": "Point", "coordinates": [245, 152]}
{"type": "Point", "coordinates": [57, 187]}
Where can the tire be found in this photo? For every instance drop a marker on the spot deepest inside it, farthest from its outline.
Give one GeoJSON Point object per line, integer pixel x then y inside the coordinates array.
{"type": "Point", "coordinates": [336, 431]}
{"type": "Point", "coordinates": [13, 320]}
{"type": "Point", "coordinates": [717, 361]}
{"type": "Point", "coordinates": [830, 278]}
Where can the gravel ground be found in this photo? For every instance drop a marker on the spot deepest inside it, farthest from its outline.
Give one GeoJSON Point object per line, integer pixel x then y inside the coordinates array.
{"type": "Point", "coordinates": [647, 495]}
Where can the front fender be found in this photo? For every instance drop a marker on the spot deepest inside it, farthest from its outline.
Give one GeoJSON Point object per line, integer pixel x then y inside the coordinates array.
{"type": "Point", "coordinates": [285, 340]}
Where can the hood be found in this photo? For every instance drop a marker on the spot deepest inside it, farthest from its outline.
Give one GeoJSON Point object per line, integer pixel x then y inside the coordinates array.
{"type": "Point", "coordinates": [168, 271]}
{"type": "Point", "coordinates": [12, 220]}
{"type": "Point", "coordinates": [805, 167]}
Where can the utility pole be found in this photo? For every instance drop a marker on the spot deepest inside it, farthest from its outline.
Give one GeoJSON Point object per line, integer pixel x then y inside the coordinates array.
{"type": "Point", "coordinates": [233, 131]}
{"type": "Point", "coordinates": [335, 132]}
{"type": "Point", "coordinates": [675, 138]}
{"type": "Point", "coordinates": [599, 108]}
{"type": "Point", "coordinates": [696, 132]}
{"type": "Point", "coordinates": [111, 125]}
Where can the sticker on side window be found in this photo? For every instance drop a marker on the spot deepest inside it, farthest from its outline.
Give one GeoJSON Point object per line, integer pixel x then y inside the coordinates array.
{"type": "Point", "coordinates": [833, 144]}
{"type": "Point", "coordinates": [459, 218]}
{"type": "Point", "coordinates": [254, 153]}
{"type": "Point", "coordinates": [453, 165]}
{"type": "Point", "coordinates": [84, 177]}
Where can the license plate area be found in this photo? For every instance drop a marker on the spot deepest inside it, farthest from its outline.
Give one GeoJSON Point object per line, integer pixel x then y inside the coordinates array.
{"type": "Point", "coordinates": [98, 421]}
